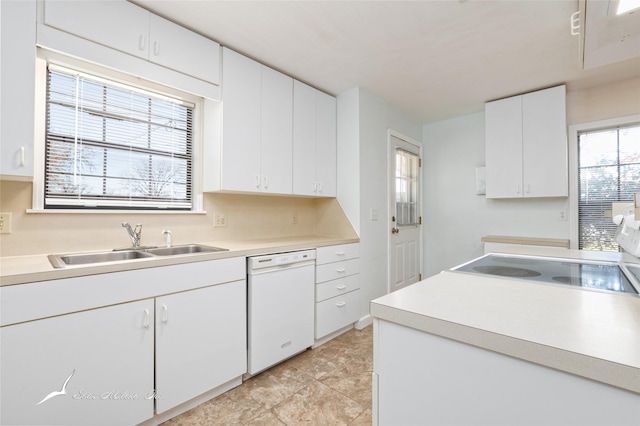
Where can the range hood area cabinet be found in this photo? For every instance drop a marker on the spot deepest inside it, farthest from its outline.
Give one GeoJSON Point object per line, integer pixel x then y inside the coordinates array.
{"type": "Point", "coordinates": [270, 134]}
{"type": "Point", "coordinates": [526, 145]}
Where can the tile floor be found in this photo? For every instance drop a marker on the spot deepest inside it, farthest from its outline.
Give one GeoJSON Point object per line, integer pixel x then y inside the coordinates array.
{"type": "Point", "coordinates": [329, 385]}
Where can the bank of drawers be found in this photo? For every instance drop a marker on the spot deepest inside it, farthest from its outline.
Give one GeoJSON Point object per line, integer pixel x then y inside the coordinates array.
{"type": "Point", "coordinates": [337, 287]}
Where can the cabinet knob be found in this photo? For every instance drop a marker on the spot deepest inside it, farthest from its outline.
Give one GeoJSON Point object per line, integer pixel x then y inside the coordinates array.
{"type": "Point", "coordinates": [142, 42]}
{"type": "Point", "coordinates": [165, 314]}
{"type": "Point", "coordinates": [156, 48]}
{"type": "Point", "coordinates": [341, 304]}
{"type": "Point", "coordinates": [146, 319]}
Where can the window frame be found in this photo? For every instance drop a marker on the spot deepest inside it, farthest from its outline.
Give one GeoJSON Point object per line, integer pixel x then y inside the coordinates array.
{"type": "Point", "coordinates": [44, 58]}
{"type": "Point", "coordinates": [574, 131]}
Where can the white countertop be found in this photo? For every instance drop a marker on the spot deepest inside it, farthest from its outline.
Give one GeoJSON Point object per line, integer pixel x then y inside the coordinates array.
{"type": "Point", "coordinates": [588, 333]}
{"type": "Point", "coordinates": [33, 268]}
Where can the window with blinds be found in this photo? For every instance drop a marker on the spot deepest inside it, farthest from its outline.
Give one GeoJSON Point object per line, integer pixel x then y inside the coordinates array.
{"type": "Point", "coordinates": [608, 171]}
{"type": "Point", "coordinates": [407, 188]}
{"type": "Point", "coordinates": [112, 146]}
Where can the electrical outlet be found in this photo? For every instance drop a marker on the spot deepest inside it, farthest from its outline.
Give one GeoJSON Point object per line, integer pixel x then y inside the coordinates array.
{"type": "Point", "coordinates": [219, 220]}
{"type": "Point", "coordinates": [562, 215]}
{"type": "Point", "coordinates": [5, 223]}
{"type": "Point", "coordinates": [294, 218]}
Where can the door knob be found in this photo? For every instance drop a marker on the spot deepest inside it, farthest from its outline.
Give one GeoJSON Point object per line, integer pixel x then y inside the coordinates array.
{"type": "Point", "coordinates": [394, 230]}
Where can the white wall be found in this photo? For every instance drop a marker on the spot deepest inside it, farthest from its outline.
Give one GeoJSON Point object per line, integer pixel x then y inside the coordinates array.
{"type": "Point", "coordinates": [456, 218]}
{"type": "Point", "coordinates": [375, 117]}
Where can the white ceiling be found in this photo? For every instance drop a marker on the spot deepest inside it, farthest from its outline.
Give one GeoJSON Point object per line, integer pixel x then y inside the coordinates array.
{"type": "Point", "coordinates": [432, 59]}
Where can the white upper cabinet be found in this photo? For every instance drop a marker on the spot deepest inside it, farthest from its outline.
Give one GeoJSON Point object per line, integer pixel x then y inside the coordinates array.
{"type": "Point", "coordinates": [17, 88]}
{"type": "Point", "coordinates": [100, 31]}
{"type": "Point", "coordinates": [526, 145]}
{"type": "Point", "coordinates": [276, 147]}
{"type": "Point", "coordinates": [119, 25]}
{"type": "Point", "coordinates": [256, 141]}
{"type": "Point", "coordinates": [314, 142]}
{"type": "Point", "coordinates": [175, 47]}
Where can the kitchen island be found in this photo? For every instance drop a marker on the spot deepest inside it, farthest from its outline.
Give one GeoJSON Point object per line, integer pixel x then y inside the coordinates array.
{"type": "Point", "coordinates": [465, 349]}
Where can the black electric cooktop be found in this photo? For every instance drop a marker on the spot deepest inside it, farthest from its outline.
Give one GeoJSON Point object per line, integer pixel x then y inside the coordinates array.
{"type": "Point", "coordinates": [590, 275]}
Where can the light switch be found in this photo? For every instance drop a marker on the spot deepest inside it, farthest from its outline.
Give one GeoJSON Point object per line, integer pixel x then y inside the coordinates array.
{"type": "Point", "coordinates": [373, 214]}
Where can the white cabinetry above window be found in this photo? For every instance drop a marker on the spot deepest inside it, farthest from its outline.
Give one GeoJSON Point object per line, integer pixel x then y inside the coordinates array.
{"type": "Point", "coordinates": [123, 36]}
{"type": "Point", "coordinates": [526, 145]}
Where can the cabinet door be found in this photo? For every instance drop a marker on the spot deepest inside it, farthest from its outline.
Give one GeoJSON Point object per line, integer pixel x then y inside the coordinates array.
{"type": "Point", "coordinates": [177, 48]}
{"type": "Point", "coordinates": [304, 139]}
{"type": "Point", "coordinates": [241, 94]}
{"type": "Point", "coordinates": [200, 341]}
{"type": "Point", "coordinates": [276, 144]}
{"type": "Point", "coordinates": [117, 24]}
{"type": "Point", "coordinates": [100, 363]}
{"type": "Point", "coordinates": [17, 94]}
{"type": "Point", "coordinates": [326, 149]}
{"type": "Point", "coordinates": [503, 131]}
{"type": "Point", "coordinates": [544, 145]}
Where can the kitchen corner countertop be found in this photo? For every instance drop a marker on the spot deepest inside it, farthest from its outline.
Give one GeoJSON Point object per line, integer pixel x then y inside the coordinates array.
{"type": "Point", "coordinates": [549, 242]}
{"type": "Point", "coordinates": [34, 268]}
{"type": "Point", "coordinates": [587, 333]}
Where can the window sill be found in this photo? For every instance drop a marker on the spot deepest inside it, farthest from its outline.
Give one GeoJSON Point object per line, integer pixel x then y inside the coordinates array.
{"type": "Point", "coordinates": [119, 212]}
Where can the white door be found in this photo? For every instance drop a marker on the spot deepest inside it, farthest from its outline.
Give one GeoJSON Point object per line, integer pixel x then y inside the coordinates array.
{"type": "Point", "coordinates": [405, 213]}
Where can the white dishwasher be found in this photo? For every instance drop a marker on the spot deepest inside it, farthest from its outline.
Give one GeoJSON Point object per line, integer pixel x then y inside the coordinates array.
{"type": "Point", "coordinates": [280, 307]}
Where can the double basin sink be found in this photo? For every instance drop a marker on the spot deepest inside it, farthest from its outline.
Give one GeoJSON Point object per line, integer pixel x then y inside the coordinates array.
{"type": "Point", "coordinates": [62, 260]}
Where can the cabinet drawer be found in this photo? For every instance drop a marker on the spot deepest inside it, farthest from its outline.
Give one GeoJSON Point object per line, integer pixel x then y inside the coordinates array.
{"type": "Point", "coordinates": [332, 271]}
{"type": "Point", "coordinates": [337, 312]}
{"type": "Point", "coordinates": [337, 287]}
{"type": "Point", "coordinates": [337, 253]}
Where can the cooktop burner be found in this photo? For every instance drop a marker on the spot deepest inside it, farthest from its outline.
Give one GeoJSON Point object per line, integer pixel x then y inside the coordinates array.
{"type": "Point", "coordinates": [601, 276]}
{"type": "Point", "coordinates": [506, 271]}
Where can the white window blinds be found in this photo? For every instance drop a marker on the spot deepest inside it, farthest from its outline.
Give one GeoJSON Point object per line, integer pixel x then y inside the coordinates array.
{"type": "Point", "coordinates": [608, 171]}
{"type": "Point", "coordinates": [111, 146]}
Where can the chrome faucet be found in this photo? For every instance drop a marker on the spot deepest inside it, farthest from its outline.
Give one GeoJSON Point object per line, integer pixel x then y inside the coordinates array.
{"type": "Point", "coordinates": [134, 234]}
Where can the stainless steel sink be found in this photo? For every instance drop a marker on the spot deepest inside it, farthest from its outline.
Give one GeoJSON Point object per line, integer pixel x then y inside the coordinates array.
{"type": "Point", "coordinates": [186, 249]}
{"type": "Point", "coordinates": [62, 260]}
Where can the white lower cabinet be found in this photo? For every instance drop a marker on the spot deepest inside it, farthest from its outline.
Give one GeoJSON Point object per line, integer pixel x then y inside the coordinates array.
{"type": "Point", "coordinates": [200, 341]}
{"type": "Point", "coordinates": [102, 360]}
{"type": "Point", "coordinates": [100, 363]}
{"type": "Point", "coordinates": [337, 288]}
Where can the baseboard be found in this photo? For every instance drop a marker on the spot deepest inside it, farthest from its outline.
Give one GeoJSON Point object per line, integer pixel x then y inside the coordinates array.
{"type": "Point", "coordinates": [363, 322]}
